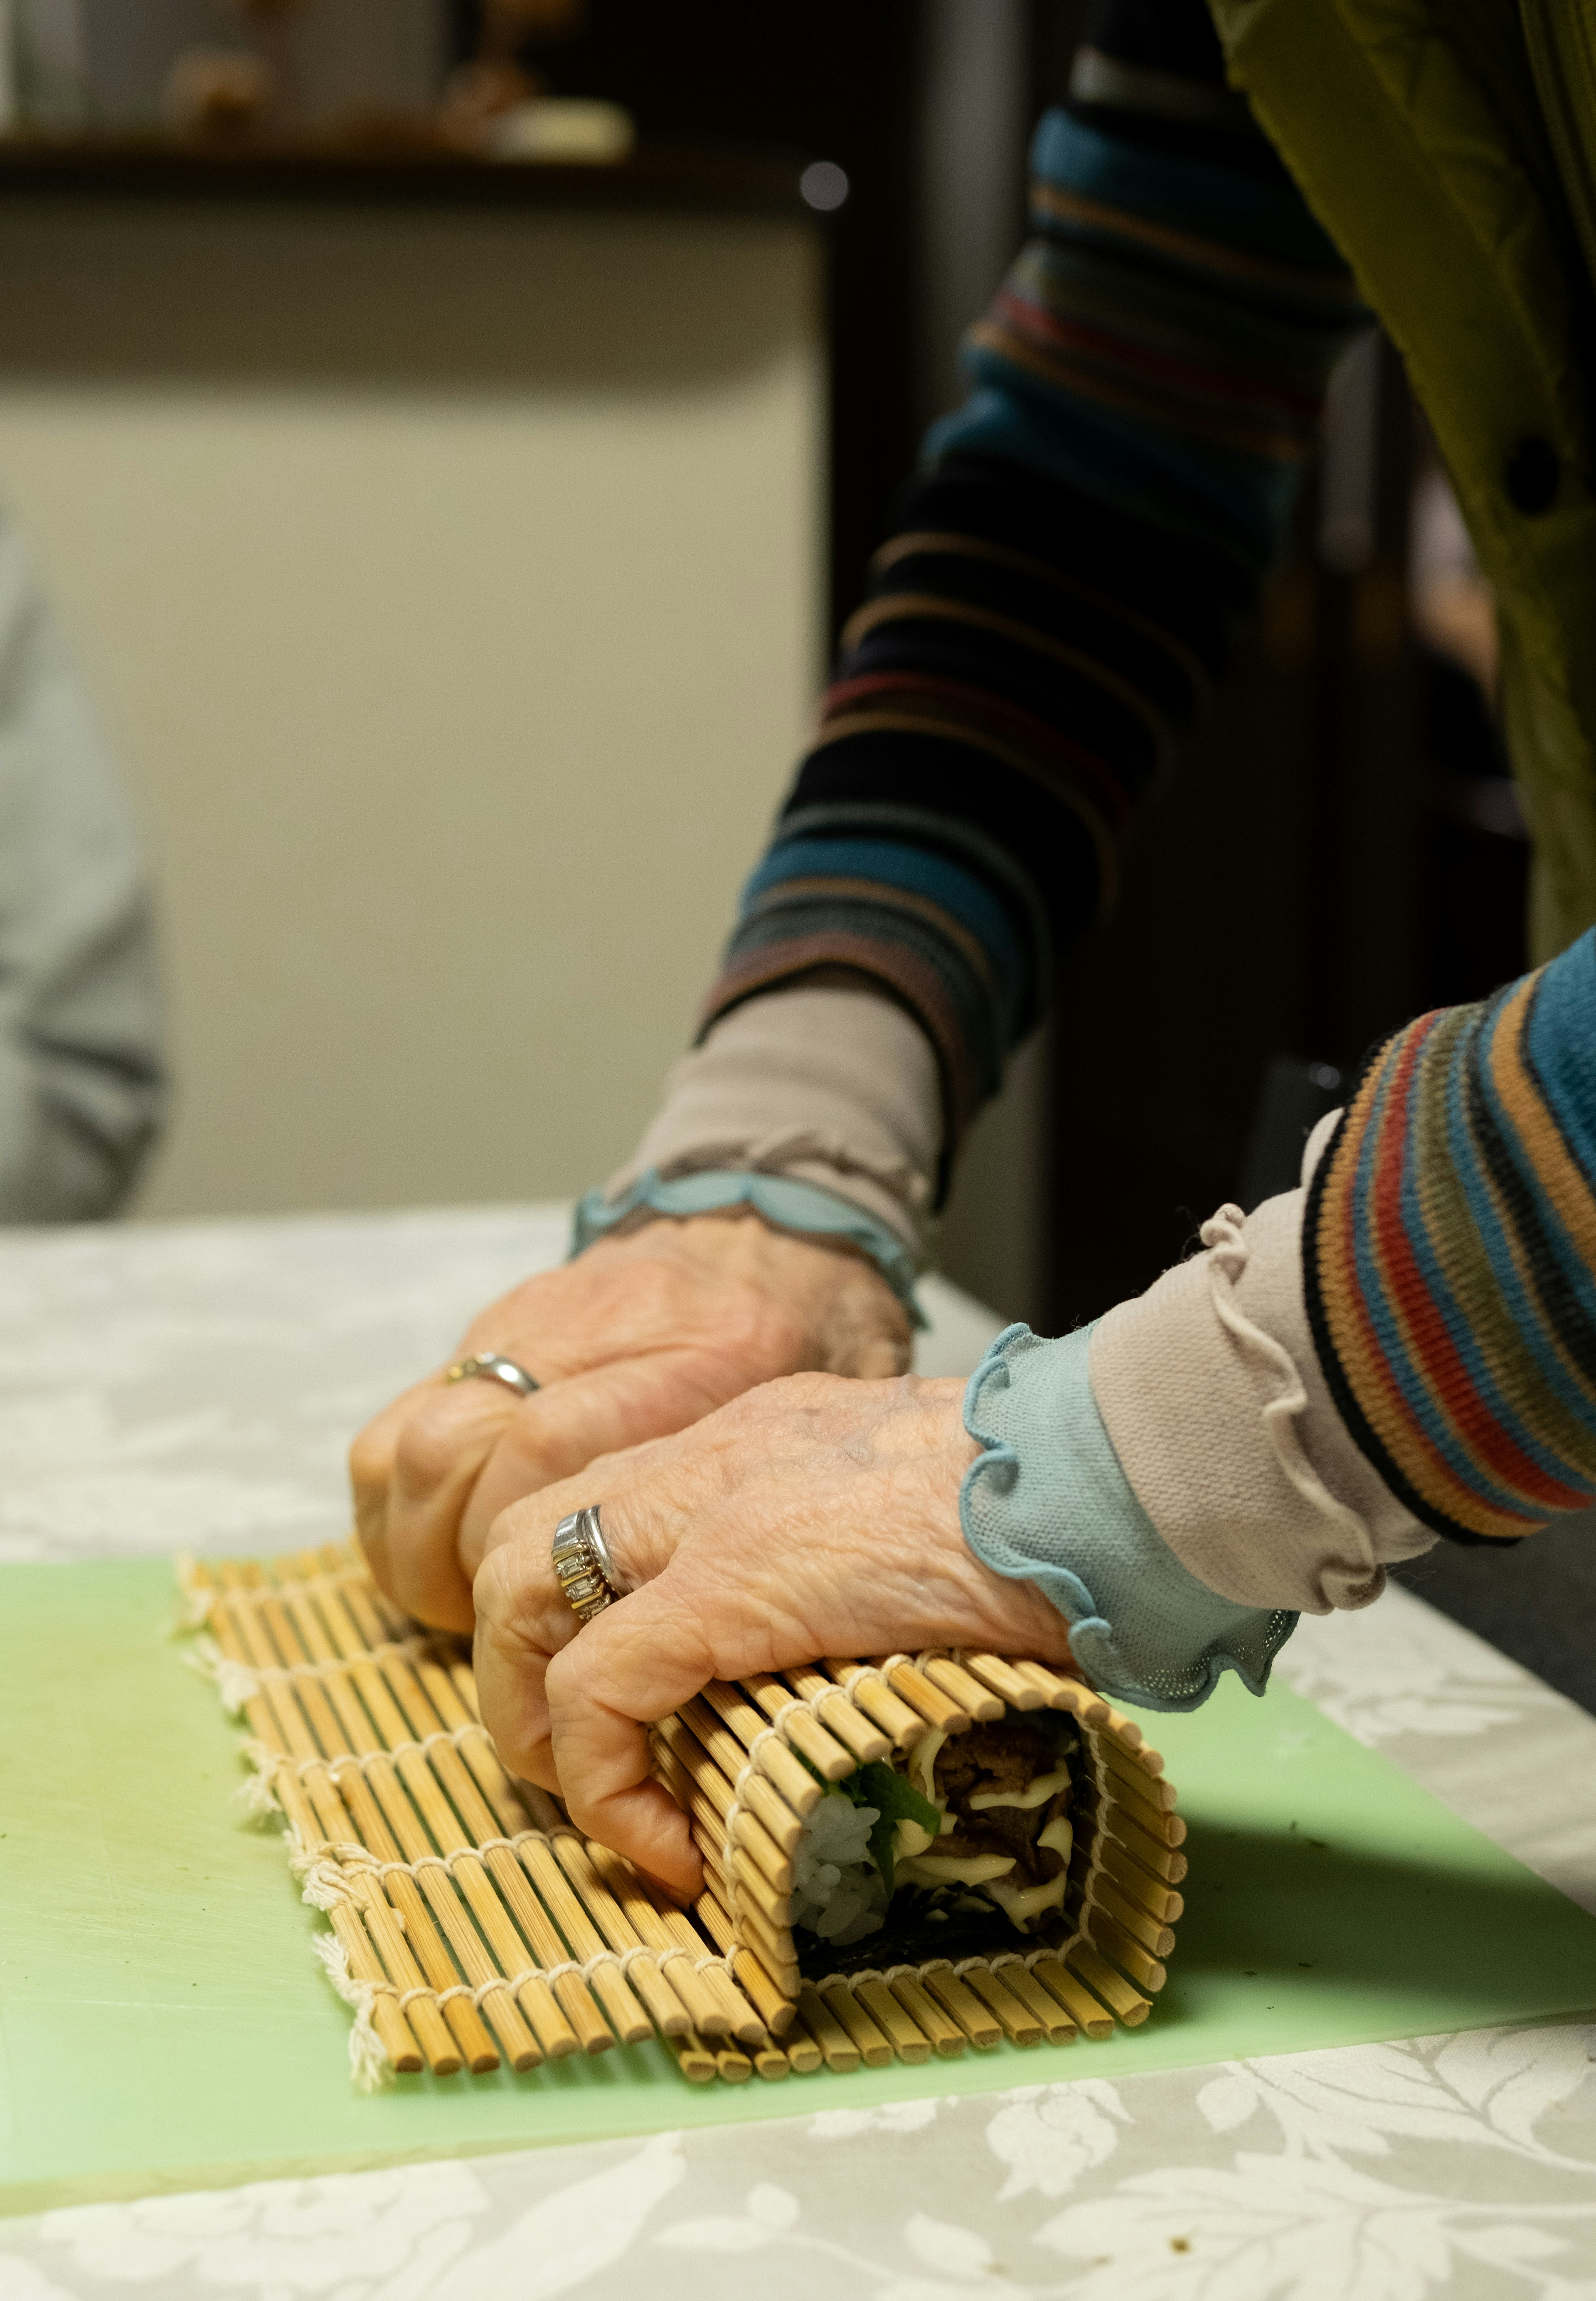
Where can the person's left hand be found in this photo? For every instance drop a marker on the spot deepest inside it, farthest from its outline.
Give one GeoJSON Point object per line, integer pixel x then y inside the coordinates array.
{"type": "Point", "coordinates": [817, 1515]}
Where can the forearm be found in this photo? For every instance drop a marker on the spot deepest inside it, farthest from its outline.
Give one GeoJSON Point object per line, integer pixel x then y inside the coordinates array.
{"type": "Point", "coordinates": [834, 1088]}
{"type": "Point", "coordinates": [1043, 627]}
{"type": "Point", "coordinates": [1403, 1349]}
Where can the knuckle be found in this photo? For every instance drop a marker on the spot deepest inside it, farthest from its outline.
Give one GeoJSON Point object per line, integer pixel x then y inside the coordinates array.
{"type": "Point", "coordinates": [428, 1450]}
{"type": "Point", "coordinates": [370, 1462]}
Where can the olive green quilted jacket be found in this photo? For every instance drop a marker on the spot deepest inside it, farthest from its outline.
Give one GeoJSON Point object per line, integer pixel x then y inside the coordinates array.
{"type": "Point", "coordinates": [1449, 145]}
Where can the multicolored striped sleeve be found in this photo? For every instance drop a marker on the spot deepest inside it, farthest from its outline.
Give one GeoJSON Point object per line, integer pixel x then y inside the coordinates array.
{"type": "Point", "coordinates": [1450, 1258]}
{"type": "Point", "coordinates": [1047, 621]}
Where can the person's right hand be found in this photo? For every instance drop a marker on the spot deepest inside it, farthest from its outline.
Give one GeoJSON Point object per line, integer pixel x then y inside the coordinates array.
{"type": "Point", "coordinates": [634, 1340]}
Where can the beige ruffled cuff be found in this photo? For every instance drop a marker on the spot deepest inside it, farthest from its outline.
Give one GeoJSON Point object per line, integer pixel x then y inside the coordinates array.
{"type": "Point", "coordinates": [836, 1088]}
{"type": "Point", "coordinates": [1209, 1388]}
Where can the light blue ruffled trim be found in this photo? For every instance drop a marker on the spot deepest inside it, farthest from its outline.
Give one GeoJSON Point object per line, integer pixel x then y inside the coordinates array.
{"type": "Point", "coordinates": [785, 1203]}
{"type": "Point", "coordinates": [1048, 1502]}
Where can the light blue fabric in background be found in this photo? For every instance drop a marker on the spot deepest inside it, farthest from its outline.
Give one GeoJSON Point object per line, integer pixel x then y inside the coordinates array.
{"type": "Point", "coordinates": [804, 1207]}
{"type": "Point", "coordinates": [1048, 1502]}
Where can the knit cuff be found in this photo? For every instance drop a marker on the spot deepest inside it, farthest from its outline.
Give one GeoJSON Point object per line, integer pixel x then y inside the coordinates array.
{"type": "Point", "coordinates": [1048, 1502]}
{"type": "Point", "coordinates": [800, 1207]}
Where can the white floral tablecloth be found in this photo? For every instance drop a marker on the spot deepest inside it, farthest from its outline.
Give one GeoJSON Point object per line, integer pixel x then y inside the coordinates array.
{"type": "Point", "coordinates": [195, 1386]}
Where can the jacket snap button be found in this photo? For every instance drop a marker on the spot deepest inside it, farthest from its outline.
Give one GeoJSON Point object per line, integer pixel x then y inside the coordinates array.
{"type": "Point", "coordinates": [1533, 471]}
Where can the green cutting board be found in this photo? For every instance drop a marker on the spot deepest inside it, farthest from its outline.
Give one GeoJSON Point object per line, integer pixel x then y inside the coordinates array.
{"type": "Point", "coordinates": [164, 2025]}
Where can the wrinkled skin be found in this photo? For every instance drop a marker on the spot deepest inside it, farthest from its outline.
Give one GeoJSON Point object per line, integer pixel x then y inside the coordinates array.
{"type": "Point", "coordinates": [636, 1338]}
{"type": "Point", "coordinates": [812, 1516]}
{"type": "Point", "coordinates": [770, 1494]}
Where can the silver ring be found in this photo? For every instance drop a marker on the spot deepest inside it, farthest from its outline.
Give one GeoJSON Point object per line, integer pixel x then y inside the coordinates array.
{"type": "Point", "coordinates": [493, 1369]}
{"type": "Point", "coordinates": [583, 1566]}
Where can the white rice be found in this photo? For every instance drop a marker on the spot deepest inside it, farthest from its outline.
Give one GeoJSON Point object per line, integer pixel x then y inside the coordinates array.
{"type": "Point", "coordinates": [838, 1891]}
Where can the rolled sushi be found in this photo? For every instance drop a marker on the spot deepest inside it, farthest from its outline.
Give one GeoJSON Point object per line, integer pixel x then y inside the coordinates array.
{"type": "Point", "coordinates": [956, 1846]}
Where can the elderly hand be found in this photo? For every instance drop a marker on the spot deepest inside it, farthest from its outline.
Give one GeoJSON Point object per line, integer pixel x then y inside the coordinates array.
{"type": "Point", "coordinates": [636, 1338]}
{"type": "Point", "coordinates": [811, 1517]}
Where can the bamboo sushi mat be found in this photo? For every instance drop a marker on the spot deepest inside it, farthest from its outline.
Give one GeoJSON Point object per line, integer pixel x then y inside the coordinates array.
{"type": "Point", "coordinates": [472, 1923]}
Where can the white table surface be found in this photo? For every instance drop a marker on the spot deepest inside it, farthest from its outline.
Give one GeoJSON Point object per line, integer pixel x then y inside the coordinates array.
{"type": "Point", "coordinates": [194, 1385]}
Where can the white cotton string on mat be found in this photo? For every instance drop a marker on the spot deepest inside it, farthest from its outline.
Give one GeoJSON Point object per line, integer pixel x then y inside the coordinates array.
{"type": "Point", "coordinates": [472, 1925]}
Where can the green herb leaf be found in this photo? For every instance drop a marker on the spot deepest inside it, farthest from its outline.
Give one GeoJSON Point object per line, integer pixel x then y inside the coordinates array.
{"type": "Point", "coordinates": [896, 1799]}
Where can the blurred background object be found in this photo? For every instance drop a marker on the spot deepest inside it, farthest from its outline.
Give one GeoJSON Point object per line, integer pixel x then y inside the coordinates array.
{"type": "Point", "coordinates": [455, 549]}
{"type": "Point", "coordinates": [313, 606]}
{"type": "Point", "coordinates": [109, 65]}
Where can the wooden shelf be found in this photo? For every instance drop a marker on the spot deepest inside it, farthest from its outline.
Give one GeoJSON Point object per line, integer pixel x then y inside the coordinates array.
{"type": "Point", "coordinates": [661, 178]}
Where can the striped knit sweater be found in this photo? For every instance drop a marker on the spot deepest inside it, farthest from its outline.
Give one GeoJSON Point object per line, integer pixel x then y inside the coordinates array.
{"type": "Point", "coordinates": [1040, 632]}
{"type": "Point", "coordinates": [1450, 1258]}
{"type": "Point", "coordinates": [1051, 616]}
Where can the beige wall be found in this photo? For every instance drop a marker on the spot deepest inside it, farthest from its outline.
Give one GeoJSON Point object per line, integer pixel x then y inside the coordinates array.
{"type": "Point", "coordinates": [450, 586]}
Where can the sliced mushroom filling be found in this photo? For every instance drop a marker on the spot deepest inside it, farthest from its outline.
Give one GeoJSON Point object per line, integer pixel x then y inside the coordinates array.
{"type": "Point", "coordinates": [977, 1821]}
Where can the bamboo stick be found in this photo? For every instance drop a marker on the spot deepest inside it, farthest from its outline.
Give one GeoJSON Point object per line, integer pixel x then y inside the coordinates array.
{"type": "Point", "coordinates": [773, 2003]}
{"type": "Point", "coordinates": [878, 1701]}
{"type": "Point", "coordinates": [443, 2055]}
{"type": "Point", "coordinates": [707, 2015]}
{"type": "Point", "coordinates": [292, 1734]}
{"type": "Point", "coordinates": [875, 2049]}
{"type": "Point", "coordinates": [386, 2016]}
{"type": "Point", "coordinates": [555, 2034]}
{"type": "Point", "coordinates": [952, 1995]}
{"type": "Point", "coordinates": [738, 2018]}
{"type": "Point", "coordinates": [909, 2042]}
{"type": "Point", "coordinates": [669, 2014]}
{"type": "Point", "coordinates": [936, 1707]}
{"type": "Point", "coordinates": [839, 2052]}
{"type": "Point", "coordinates": [1111, 1937]}
{"type": "Point", "coordinates": [1142, 1886]}
{"type": "Point", "coordinates": [799, 1788]}
{"type": "Point", "coordinates": [766, 1823]}
{"type": "Point", "coordinates": [804, 1731]}
{"type": "Point", "coordinates": [1121, 1828]}
{"type": "Point", "coordinates": [1077, 2001]}
{"type": "Point", "coordinates": [1130, 2007]}
{"type": "Point", "coordinates": [487, 1981]}
{"type": "Point", "coordinates": [693, 2058]}
{"type": "Point", "coordinates": [1058, 2026]}
{"type": "Point", "coordinates": [985, 1707]}
{"type": "Point", "coordinates": [770, 1802]}
{"type": "Point", "coordinates": [707, 1809]}
{"type": "Point", "coordinates": [371, 1948]}
{"type": "Point", "coordinates": [1140, 1783]}
{"type": "Point", "coordinates": [1022, 2026]}
{"type": "Point", "coordinates": [774, 1951]}
{"type": "Point", "coordinates": [868, 1742]}
{"type": "Point", "coordinates": [1158, 1821]}
{"type": "Point", "coordinates": [741, 1876]}
{"type": "Point", "coordinates": [1071, 1694]}
{"type": "Point", "coordinates": [1156, 1938]}
{"type": "Point", "coordinates": [801, 2048]}
{"type": "Point", "coordinates": [609, 1985]}
{"type": "Point", "coordinates": [770, 2062]}
{"type": "Point", "coordinates": [946, 2035]}
{"type": "Point", "coordinates": [731, 2067]}
{"type": "Point", "coordinates": [475, 1748]}
{"type": "Point", "coordinates": [1004, 1680]}
{"type": "Point", "coordinates": [442, 1886]}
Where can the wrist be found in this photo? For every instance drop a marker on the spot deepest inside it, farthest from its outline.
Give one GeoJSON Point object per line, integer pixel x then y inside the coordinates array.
{"type": "Point", "coordinates": [816, 1302]}
{"type": "Point", "coordinates": [783, 1203]}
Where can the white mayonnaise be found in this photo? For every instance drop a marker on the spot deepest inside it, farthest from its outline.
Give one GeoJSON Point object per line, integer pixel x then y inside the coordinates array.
{"type": "Point", "coordinates": [1023, 1901]}
{"type": "Point", "coordinates": [1035, 1793]}
{"type": "Point", "coordinates": [955, 1869]}
{"type": "Point", "coordinates": [1060, 1836]}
